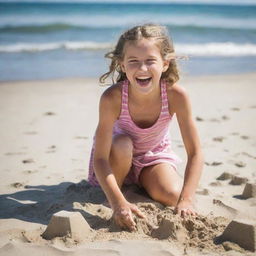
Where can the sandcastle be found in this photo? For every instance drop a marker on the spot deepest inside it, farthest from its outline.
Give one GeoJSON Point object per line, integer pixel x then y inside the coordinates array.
{"type": "Point", "coordinates": [242, 233]}
{"type": "Point", "coordinates": [66, 223]}
{"type": "Point", "coordinates": [249, 190]}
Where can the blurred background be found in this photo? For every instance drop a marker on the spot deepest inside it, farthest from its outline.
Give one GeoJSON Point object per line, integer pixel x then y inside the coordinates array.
{"type": "Point", "coordinates": [58, 39]}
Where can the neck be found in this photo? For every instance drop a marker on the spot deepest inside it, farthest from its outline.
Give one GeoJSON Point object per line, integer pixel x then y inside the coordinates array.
{"type": "Point", "coordinates": [141, 98]}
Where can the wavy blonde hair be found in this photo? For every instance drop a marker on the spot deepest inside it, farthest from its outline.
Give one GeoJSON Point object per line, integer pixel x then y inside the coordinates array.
{"type": "Point", "coordinates": [148, 31]}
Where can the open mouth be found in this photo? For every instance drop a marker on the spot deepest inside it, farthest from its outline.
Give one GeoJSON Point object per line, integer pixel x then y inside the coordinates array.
{"type": "Point", "coordinates": [143, 81]}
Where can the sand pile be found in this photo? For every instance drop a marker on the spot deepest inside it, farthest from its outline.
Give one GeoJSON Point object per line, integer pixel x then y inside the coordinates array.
{"type": "Point", "coordinates": [161, 223]}
{"type": "Point", "coordinates": [199, 231]}
{"type": "Point", "coordinates": [82, 215]}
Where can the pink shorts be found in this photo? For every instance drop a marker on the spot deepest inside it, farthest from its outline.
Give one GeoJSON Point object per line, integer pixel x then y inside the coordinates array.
{"type": "Point", "coordinates": [139, 162]}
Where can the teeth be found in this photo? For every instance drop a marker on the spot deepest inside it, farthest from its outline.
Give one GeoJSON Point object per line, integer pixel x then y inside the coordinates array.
{"type": "Point", "coordinates": [143, 77]}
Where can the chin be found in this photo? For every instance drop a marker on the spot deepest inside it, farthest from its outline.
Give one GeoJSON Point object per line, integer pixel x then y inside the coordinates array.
{"type": "Point", "coordinates": [145, 89]}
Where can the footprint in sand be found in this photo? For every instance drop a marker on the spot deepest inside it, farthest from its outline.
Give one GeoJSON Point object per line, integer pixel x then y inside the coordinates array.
{"type": "Point", "coordinates": [219, 139]}
{"type": "Point", "coordinates": [240, 164]}
{"type": "Point", "coordinates": [49, 113]}
{"type": "Point", "coordinates": [244, 137]}
{"type": "Point", "coordinates": [225, 117]}
{"type": "Point", "coordinates": [215, 184]}
{"type": "Point", "coordinates": [17, 185]}
{"type": "Point", "coordinates": [28, 161]}
{"type": "Point", "coordinates": [51, 149]}
{"type": "Point", "coordinates": [215, 163]}
{"type": "Point", "coordinates": [214, 120]}
{"type": "Point", "coordinates": [203, 192]}
{"type": "Point", "coordinates": [235, 109]}
{"type": "Point", "coordinates": [15, 153]}
{"type": "Point", "coordinates": [199, 119]}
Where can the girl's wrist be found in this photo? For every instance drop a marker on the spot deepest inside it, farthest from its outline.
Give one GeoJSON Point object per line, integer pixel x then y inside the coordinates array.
{"type": "Point", "coordinates": [118, 204]}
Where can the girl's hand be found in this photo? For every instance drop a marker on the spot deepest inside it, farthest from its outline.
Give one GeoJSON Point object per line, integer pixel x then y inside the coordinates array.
{"type": "Point", "coordinates": [185, 208]}
{"type": "Point", "coordinates": [123, 215]}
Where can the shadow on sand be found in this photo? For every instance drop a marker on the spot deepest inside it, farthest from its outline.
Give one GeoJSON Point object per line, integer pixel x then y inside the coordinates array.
{"type": "Point", "coordinates": [38, 203]}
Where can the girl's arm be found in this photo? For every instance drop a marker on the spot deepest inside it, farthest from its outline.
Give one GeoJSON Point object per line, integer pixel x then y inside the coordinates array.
{"type": "Point", "coordinates": [182, 108]}
{"type": "Point", "coordinates": [108, 113]}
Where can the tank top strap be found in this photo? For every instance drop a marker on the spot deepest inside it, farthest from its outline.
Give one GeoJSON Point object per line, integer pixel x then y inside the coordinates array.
{"type": "Point", "coordinates": [165, 105]}
{"type": "Point", "coordinates": [124, 107]}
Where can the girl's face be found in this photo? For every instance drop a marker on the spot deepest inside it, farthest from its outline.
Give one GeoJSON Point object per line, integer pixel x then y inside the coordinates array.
{"type": "Point", "coordinates": [143, 64]}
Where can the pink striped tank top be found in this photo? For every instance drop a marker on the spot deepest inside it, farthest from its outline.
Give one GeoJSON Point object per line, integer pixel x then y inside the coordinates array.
{"type": "Point", "coordinates": [150, 145]}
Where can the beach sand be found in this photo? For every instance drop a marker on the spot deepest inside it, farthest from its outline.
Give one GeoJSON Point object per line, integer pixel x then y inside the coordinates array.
{"type": "Point", "coordinates": [46, 134]}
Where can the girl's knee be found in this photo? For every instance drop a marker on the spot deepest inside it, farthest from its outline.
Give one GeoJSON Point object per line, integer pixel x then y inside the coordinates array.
{"type": "Point", "coordinates": [167, 197]}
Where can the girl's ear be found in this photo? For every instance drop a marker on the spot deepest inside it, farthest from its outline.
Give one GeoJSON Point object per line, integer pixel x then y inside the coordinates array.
{"type": "Point", "coordinates": [166, 65]}
{"type": "Point", "coordinates": [122, 66]}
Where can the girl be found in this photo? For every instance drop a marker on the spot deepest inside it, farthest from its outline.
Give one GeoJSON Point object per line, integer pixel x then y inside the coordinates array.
{"type": "Point", "coordinates": [132, 143]}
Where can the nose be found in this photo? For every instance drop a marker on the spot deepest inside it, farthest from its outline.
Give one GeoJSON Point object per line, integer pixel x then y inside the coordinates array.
{"type": "Point", "coordinates": [143, 66]}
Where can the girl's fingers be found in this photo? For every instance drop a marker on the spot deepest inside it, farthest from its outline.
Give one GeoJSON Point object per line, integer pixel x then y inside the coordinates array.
{"type": "Point", "coordinates": [124, 220]}
{"type": "Point", "coordinates": [186, 212]}
{"type": "Point", "coordinates": [137, 211]}
{"type": "Point", "coordinates": [124, 217]}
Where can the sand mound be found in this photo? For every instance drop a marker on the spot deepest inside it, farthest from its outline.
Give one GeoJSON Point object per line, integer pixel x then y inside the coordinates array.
{"type": "Point", "coordinates": [198, 231]}
{"type": "Point", "coordinates": [161, 222]}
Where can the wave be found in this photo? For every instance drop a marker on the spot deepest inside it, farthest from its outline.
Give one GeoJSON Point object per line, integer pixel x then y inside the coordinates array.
{"type": "Point", "coordinates": [227, 49]}
{"type": "Point", "coordinates": [40, 47]}
{"type": "Point", "coordinates": [34, 29]}
{"type": "Point", "coordinates": [58, 27]}
{"type": "Point", "coordinates": [38, 28]}
{"type": "Point", "coordinates": [38, 24]}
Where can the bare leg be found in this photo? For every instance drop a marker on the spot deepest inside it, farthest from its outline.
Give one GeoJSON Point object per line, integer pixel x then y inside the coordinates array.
{"type": "Point", "coordinates": [121, 157]}
{"type": "Point", "coordinates": [162, 183]}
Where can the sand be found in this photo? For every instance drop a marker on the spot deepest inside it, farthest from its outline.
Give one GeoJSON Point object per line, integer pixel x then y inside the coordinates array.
{"type": "Point", "coordinates": [46, 133]}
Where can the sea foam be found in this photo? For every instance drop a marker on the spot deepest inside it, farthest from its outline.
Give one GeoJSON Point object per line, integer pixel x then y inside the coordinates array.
{"type": "Point", "coordinates": [226, 49]}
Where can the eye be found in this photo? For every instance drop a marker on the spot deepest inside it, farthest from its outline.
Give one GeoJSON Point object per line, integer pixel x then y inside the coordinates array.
{"type": "Point", "coordinates": [133, 61]}
{"type": "Point", "coordinates": [151, 61]}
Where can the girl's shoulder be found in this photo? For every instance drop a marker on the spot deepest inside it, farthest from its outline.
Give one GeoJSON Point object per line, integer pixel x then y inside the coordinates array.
{"type": "Point", "coordinates": [113, 93]}
{"type": "Point", "coordinates": [177, 96]}
{"type": "Point", "coordinates": [111, 99]}
{"type": "Point", "coordinates": [176, 92]}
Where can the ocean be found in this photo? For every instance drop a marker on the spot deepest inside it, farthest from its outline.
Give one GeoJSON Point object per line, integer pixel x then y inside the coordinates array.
{"type": "Point", "coordinates": [44, 40]}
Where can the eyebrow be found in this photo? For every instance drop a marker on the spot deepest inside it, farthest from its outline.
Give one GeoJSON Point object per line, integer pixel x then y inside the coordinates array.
{"type": "Point", "coordinates": [132, 57]}
{"type": "Point", "coordinates": [148, 57]}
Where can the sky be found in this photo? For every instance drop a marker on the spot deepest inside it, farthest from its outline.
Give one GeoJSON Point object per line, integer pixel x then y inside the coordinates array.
{"type": "Point", "coordinates": [147, 1]}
